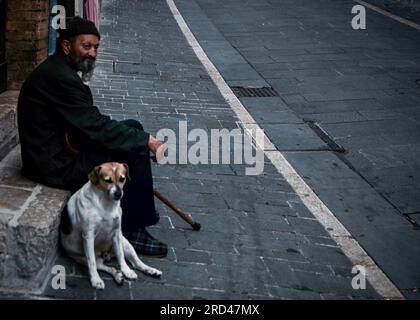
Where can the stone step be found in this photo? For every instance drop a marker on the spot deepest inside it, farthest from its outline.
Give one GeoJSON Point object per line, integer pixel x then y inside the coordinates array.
{"type": "Point", "coordinates": [8, 126]}
{"type": "Point", "coordinates": [29, 221]}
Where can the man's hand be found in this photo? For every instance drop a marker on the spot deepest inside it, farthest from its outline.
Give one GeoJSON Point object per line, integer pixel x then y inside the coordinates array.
{"type": "Point", "coordinates": [158, 148]}
{"type": "Point", "coordinates": [154, 144]}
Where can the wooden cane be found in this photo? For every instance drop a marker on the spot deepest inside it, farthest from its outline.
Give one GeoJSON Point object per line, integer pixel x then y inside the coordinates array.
{"type": "Point", "coordinates": [186, 217]}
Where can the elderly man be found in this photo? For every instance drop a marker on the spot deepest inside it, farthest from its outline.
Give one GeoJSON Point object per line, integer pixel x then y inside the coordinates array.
{"type": "Point", "coordinates": [63, 135]}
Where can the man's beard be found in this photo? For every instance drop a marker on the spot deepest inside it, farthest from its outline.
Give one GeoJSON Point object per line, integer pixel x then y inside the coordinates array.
{"type": "Point", "coordinates": [84, 65]}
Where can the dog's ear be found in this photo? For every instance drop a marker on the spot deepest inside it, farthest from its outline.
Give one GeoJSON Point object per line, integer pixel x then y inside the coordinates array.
{"type": "Point", "coordinates": [94, 175]}
{"type": "Point", "coordinates": [127, 171]}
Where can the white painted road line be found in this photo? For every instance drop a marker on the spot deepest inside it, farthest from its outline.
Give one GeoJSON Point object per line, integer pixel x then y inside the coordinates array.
{"type": "Point", "coordinates": [376, 277]}
{"type": "Point", "coordinates": [388, 14]}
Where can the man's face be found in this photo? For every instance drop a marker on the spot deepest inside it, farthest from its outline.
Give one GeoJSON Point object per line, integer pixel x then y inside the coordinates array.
{"type": "Point", "coordinates": [82, 51]}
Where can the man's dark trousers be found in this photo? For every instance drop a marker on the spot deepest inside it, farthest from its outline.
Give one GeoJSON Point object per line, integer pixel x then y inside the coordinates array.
{"type": "Point", "coordinates": [137, 204]}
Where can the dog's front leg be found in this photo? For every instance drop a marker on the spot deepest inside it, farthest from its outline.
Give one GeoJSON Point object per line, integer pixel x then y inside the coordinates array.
{"type": "Point", "coordinates": [119, 253]}
{"type": "Point", "coordinates": [89, 246]}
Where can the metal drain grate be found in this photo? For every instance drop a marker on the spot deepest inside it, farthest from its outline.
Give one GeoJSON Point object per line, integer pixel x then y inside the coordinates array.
{"type": "Point", "coordinates": [243, 92]}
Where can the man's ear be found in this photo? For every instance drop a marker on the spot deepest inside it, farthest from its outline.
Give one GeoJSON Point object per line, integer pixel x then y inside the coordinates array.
{"type": "Point", "coordinates": [94, 175]}
{"type": "Point", "coordinates": [65, 46]}
{"type": "Point", "coordinates": [127, 172]}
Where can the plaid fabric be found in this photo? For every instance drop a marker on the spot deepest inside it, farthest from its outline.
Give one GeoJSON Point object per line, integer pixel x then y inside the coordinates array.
{"type": "Point", "coordinates": [145, 244]}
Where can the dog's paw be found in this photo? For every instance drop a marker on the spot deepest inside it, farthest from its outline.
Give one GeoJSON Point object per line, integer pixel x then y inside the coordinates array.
{"type": "Point", "coordinates": [152, 272]}
{"type": "Point", "coordinates": [129, 274]}
{"type": "Point", "coordinates": [97, 283]}
{"type": "Point", "coordinates": [118, 277]}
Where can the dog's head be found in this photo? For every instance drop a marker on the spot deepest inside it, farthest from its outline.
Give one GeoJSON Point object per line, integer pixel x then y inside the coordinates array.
{"type": "Point", "coordinates": [110, 177]}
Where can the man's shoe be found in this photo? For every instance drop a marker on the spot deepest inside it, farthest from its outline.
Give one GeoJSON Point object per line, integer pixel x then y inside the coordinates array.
{"type": "Point", "coordinates": [145, 244]}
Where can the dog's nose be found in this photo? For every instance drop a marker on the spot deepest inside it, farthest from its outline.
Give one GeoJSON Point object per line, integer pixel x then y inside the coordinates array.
{"type": "Point", "coordinates": [118, 194]}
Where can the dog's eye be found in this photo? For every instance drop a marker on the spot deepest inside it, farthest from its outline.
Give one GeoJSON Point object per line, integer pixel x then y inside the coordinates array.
{"type": "Point", "coordinates": [122, 179]}
{"type": "Point", "coordinates": [108, 180]}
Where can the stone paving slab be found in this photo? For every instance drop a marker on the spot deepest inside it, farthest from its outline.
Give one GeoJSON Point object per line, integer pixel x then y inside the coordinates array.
{"type": "Point", "coordinates": [270, 110]}
{"type": "Point", "coordinates": [289, 137]}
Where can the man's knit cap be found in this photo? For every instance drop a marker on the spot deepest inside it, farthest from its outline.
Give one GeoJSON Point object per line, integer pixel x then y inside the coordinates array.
{"type": "Point", "coordinates": [76, 26]}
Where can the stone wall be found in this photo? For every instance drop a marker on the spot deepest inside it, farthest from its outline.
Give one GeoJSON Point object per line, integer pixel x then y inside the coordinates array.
{"type": "Point", "coordinates": [8, 125]}
{"type": "Point", "coordinates": [26, 38]}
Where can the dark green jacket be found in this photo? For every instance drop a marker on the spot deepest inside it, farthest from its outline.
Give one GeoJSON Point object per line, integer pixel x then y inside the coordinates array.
{"type": "Point", "coordinates": [53, 100]}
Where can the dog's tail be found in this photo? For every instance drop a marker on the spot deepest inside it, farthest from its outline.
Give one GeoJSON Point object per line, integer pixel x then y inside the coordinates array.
{"type": "Point", "coordinates": [65, 223]}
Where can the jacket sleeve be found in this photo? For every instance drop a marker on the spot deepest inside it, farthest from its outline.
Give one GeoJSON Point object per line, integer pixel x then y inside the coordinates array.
{"type": "Point", "coordinates": [72, 101]}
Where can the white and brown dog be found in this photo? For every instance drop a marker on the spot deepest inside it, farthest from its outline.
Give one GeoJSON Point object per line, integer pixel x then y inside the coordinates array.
{"type": "Point", "coordinates": [94, 226]}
